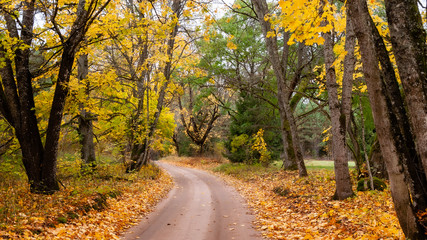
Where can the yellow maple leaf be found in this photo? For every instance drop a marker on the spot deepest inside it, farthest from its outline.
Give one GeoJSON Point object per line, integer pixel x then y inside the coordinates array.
{"type": "Point", "coordinates": [231, 45]}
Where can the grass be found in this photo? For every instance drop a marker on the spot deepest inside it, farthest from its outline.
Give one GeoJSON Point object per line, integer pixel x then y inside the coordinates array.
{"type": "Point", "coordinates": [244, 171]}
{"type": "Point", "coordinates": [317, 164]}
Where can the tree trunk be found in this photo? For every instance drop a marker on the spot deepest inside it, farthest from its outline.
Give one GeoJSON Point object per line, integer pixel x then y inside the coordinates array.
{"type": "Point", "coordinates": [338, 116]}
{"type": "Point", "coordinates": [86, 122]}
{"type": "Point", "coordinates": [144, 149]}
{"type": "Point", "coordinates": [376, 160]}
{"type": "Point", "coordinates": [17, 98]}
{"type": "Point", "coordinates": [365, 154]}
{"type": "Point", "coordinates": [289, 128]}
{"type": "Point", "coordinates": [408, 39]}
{"type": "Point", "coordinates": [175, 141]}
{"type": "Point", "coordinates": [395, 143]}
{"type": "Point", "coordinates": [197, 128]}
{"type": "Point", "coordinates": [17, 104]}
{"type": "Point", "coordinates": [352, 130]}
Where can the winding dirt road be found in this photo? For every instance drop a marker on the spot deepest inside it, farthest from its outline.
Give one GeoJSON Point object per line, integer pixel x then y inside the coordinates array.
{"type": "Point", "coordinates": [199, 207]}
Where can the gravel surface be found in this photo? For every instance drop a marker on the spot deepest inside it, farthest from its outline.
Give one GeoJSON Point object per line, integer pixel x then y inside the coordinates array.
{"type": "Point", "coordinates": [199, 207]}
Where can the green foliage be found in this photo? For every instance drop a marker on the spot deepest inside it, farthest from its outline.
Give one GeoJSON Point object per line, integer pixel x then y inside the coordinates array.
{"type": "Point", "coordinates": [311, 130]}
{"type": "Point", "coordinates": [368, 121]}
{"type": "Point", "coordinates": [238, 142]}
{"type": "Point", "coordinates": [251, 115]}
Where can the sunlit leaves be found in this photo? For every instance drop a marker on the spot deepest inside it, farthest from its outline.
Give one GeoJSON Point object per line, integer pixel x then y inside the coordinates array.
{"type": "Point", "coordinates": [302, 18]}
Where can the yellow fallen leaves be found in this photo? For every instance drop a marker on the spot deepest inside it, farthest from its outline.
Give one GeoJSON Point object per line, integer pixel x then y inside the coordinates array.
{"type": "Point", "coordinates": [309, 213]}
{"type": "Point", "coordinates": [306, 211]}
{"type": "Point", "coordinates": [41, 216]}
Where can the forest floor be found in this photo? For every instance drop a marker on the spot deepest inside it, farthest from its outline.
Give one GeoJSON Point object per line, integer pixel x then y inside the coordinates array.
{"type": "Point", "coordinates": [289, 207]}
{"type": "Point", "coordinates": [103, 205]}
{"type": "Point", "coordinates": [92, 206]}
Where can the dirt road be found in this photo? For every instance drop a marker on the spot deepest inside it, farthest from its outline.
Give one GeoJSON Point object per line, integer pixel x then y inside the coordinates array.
{"type": "Point", "coordinates": [200, 207]}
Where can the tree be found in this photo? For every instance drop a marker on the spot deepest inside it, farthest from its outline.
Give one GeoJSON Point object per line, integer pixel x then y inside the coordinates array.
{"type": "Point", "coordinates": [200, 115]}
{"type": "Point", "coordinates": [289, 130]}
{"type": "Point", "coordinates": [340, 111]}
{"type": "Point", "coordinates": [408, 38]}
{"type": "Point", "coordinates": [403, 162]}
{"type": "Point", "coordinates": [250, 115]}
{"type": "Point", "coordinates": [86, 118]}
{"type": "Point", "coordinates": [17, 93]}
{"type": "Point", "coordinates": [140, 155]}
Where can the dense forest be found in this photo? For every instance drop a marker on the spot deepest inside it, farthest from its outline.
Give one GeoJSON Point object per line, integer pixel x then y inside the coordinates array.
{"type": "Point", "coordinates": [90, 87]}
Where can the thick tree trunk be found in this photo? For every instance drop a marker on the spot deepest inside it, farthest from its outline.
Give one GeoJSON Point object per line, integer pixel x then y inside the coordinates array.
{"type": "Point", "coordinates": [338, 118]}
{"type": "Point", "coordinates": [139, 157]}
{"type": "Point", "coordinates": [56, 112]}
{"type": "Point", "coordinates": [86, 122]}
{"type": "Point", "coordinates": [406, 179]}
{"type": "Point", "coordinates": [176, 142]}
{"type": "Point", "coordinates": [17, 99]}
{"type": "Point", "coordinates": [289, 127]}
{"type": "Point", "coordinates": [408, 39]}
{"type": "Point", "coordinates": [289, 157]}
{"type": "Point", "coordinates": [86, 140]}
{"type": "Point", "coordinates": [17, 106]}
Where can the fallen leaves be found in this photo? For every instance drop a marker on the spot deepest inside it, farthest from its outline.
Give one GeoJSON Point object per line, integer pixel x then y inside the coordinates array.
{"type": "Point", "coordinates": [304, 209]}
{"type": "Point", "coordinates": [86, 210]}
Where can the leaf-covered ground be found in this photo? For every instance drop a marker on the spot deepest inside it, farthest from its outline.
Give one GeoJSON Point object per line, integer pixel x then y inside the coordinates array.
{"type": "Point", "coordinates": [289, 207]}
{"type": "Point", "coordinates": [98, 206]}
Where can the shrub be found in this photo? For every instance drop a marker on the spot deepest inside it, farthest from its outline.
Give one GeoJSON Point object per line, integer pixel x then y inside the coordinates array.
{"type": "Point", "coordinates": [364, 184]}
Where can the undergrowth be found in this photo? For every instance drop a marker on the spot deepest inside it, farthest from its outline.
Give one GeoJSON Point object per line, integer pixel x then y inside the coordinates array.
{"type": "Point", "coordinates": [23, 214]}
{"type": "Point", "coordinates": [244, 171]}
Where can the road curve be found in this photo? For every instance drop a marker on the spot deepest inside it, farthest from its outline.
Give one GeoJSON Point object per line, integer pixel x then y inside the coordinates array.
{"type": "Point", "coordinates": [199, 207]}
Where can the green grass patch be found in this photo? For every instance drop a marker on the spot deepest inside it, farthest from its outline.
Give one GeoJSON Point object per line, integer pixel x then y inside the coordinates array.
{"type": "Point", "coordinates": [317, 164]}
{"type": "Point", "coordinates": [244, 171]}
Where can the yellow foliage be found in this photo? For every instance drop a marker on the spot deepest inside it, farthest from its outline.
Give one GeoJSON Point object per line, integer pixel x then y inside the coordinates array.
{"type": "Point", "coordinates": [259, 145]}
{"type": "Point", "coordinates": [237, 6]}
{"type": "Point", "coordinates": [302, 19]}
{"type": "Point", "coordinates": [231, 45]}
{"type": "Point", "coordinates": [271, 34]}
